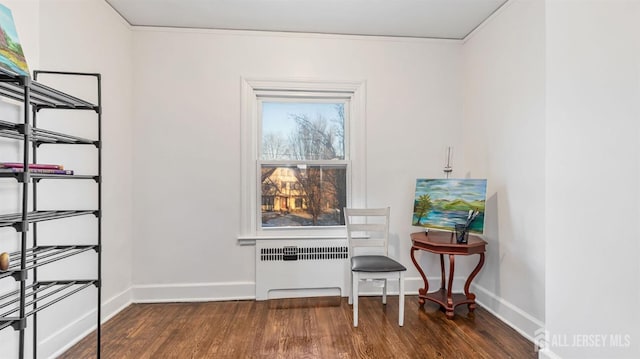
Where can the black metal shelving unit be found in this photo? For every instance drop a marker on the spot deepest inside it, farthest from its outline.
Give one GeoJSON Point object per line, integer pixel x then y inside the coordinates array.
{"type": "Point", "coordinates": [34, 295]}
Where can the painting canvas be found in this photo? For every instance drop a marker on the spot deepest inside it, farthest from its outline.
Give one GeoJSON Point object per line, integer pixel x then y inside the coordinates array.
{"type": "Point", "coordinates": [443, 203]}
{"type": "Point", "coordinates": [11, 55]}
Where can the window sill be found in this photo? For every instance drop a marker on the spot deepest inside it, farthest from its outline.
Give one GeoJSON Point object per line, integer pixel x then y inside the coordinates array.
{"type": "Point", "coordinates": [251, 240]}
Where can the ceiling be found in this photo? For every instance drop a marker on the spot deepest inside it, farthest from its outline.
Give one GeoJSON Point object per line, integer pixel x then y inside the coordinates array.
{"type": "Point", "coordinates": [444, 19]}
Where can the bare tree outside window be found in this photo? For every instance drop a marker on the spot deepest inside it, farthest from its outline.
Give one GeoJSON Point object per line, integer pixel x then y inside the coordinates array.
{"type": "Point", "coordinates": [274, 146]}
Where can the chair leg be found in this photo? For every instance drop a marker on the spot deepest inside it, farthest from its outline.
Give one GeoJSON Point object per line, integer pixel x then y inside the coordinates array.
{"type": "Point", "coordinates": [351, 288]}
{"type": "Point", "coordinates": [354, 294]}
{"type": "Point", "coordinates": [401, 300]}
{"type": "Point", "coordinates": [384, 292]}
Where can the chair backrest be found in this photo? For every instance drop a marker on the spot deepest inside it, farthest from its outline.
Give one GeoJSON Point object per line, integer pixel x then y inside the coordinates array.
{"type": "Point", "coordinates": [367, 230]}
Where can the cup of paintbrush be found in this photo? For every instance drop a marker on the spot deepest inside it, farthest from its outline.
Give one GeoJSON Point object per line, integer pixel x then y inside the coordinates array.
{"type": "Point", "coordinates": [462, 229]}
{"type": "Point", "coordinates": [462, 233]}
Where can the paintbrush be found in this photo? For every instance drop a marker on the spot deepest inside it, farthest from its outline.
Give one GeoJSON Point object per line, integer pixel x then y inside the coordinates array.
{"type": "Point", "coordinates": [471, 217]}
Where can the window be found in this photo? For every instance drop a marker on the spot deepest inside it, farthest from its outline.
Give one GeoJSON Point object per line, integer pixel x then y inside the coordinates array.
{"type": "Point", "coordinates": [302, 162]}
{"type": "Point", "coordinates": [302, 155]}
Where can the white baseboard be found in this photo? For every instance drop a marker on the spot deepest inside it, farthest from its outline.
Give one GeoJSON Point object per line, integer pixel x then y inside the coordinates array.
{"type": "Point", "coordinates": [305, 293]}
{"type": "Point", "coordinates": [58, 342]}
{"type": "Point", "coordinates": [516, 318]}
{"type": "Point", "coordinates": [193, 292]}
{"type": "Point", "coordinates": [547, 354]}
{"type": "Point", "coordinates": [203, 292]}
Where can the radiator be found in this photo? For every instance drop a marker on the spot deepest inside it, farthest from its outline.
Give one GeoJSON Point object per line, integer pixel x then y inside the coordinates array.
{"type": "Point", "coordinates": [300, 267]}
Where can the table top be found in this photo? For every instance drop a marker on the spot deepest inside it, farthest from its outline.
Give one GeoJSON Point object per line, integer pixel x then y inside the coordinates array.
{"type": "Point", "coordinates": [445, 242]}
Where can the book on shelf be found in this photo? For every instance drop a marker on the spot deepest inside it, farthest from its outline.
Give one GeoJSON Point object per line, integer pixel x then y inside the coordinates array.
{"type": "Point", "coordinates": [43, 166]}
{"type": "Point", "coordinates": [37, 170]}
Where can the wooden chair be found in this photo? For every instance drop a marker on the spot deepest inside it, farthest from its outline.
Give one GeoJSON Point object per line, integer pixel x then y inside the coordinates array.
{"type": "Point", "coordinates": [368, 238]}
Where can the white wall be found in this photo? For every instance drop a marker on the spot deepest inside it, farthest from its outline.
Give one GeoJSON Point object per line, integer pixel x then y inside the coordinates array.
{"type": "Point", "coordinates": [187, 148]}
{"type": "Point", "coordinates": [593, 179]}
{"type": "Point", "coordinates": [83, 36]}
{"type": "Point", "coordinates": [504, 142]}
{"type": "Point", "coordinates": [504, 139]}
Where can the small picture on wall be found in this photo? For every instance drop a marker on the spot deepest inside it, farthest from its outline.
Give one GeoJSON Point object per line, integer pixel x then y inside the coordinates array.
{"type": "Point", "coordinates": [11, 56]}
{"type": "Point", "coordinates": [443, 203]}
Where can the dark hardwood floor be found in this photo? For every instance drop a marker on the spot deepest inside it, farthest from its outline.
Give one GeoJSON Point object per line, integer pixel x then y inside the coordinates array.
{"type": "Point", "coordinates": [302, 328]}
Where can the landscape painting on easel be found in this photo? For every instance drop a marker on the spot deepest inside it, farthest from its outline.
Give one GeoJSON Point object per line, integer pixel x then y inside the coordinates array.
{"type": "Point", "coordinates": [443, 203]}
{"type": "Point", "coordinates": [11, 55]}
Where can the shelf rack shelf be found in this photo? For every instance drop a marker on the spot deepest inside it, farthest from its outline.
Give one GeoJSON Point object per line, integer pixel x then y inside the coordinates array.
{"type": "Point", "coordinates": [48, 293]}
{"type": "Point", "coordinates": [41, 136]}
{"type": "Point", "coordinates": [39, 256]}
{"type": "Point", "coordinates": [21, 176]}
{"type": "Point", "coordinates": [34, 295]}
{"type": "Point", "coordinates": [15, 220]}
{"type": "Point", "coordinates": [41, 96]}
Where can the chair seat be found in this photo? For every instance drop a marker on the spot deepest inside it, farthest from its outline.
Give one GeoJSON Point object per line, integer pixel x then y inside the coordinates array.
{"type": "Point", "coordinates": [375, 264]}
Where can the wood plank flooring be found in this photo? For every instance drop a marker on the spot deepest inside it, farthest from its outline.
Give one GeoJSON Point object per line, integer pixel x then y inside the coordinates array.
{"type": "Point", "coordinates": [302, 328]}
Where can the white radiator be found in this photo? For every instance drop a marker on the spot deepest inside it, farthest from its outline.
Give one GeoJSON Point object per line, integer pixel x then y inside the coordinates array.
{"type": "Point", "coordinates": [300, 268]}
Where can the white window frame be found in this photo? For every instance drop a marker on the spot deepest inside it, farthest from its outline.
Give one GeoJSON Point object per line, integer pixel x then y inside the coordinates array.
{"type": "Point", "coordinates": [253, 92]}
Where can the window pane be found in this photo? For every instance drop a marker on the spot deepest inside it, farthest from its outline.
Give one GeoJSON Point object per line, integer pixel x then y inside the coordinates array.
{"type": "Point", "coordinates": [302, 131]}
{"type": "Point", "coordinates": [303, 195]}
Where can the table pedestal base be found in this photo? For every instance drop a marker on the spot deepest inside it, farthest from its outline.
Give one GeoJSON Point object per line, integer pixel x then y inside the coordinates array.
{"type": "Point", "coordinates": [441, 298]}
